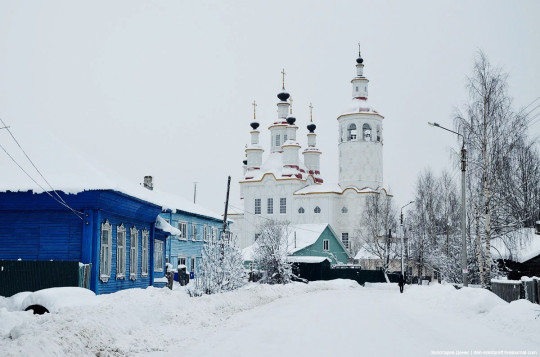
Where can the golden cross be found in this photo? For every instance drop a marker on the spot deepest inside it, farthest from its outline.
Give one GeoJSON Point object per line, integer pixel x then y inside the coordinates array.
{"type": "Point", "coordinates": [290, 100]}
{"type": "Point", "coordinates": [254, 110]}
{"type": "Point", "coordinates": [283, 78]}
{"type": "Point", "coordinates": [310, 112]}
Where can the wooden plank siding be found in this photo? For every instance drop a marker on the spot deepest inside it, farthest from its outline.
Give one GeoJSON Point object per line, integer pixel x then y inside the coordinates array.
{"type": "Point", "coordinates": [35, 227]}
{"type": "Point", "coordinates": [336, 253]}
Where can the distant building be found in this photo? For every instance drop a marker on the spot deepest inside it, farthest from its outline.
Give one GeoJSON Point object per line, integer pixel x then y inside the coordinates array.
{"type": "Point", "coordinates": [285, 187]}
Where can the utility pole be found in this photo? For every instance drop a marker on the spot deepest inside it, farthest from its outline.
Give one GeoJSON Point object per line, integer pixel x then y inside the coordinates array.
{"type": "Point", "coordinates": [226, 206]}
{"type": "Point", "coordinates": [402, 236]}
{"type": "Point", "coordinates": [464, 268]}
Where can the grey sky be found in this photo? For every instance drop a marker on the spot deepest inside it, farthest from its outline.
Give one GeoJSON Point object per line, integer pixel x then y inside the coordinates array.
{"type": "Point", "coordinates": [165, 87]}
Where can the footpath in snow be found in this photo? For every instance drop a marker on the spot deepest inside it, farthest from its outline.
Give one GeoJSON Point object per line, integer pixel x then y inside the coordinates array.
{"type": "Point", "coordinates": [334, 318]}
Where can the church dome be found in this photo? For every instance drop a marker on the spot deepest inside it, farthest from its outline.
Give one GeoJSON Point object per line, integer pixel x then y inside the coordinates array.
{"type": "Point", "coordinates": [311, 127]}
{"type": "Point", "coordinates": [254, 125]}
{"type": "Point", "coordinates": [291, 120]}
{"type": "Point", "coordinates": [359, 60]}
{"type": "Point", "coordinates": [283, 96]}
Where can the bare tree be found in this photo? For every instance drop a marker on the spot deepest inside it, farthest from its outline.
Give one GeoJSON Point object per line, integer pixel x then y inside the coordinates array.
{"type": "Point", "coordinates": [271, 251]}
{"type": "Point", "coordinates": [378, 221]}
{"type": "Point", "coordinates": [492, 130]}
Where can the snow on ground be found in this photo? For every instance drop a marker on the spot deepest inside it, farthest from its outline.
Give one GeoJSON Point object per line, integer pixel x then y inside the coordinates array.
{"type": "Point", "coordinates": [319, 319]}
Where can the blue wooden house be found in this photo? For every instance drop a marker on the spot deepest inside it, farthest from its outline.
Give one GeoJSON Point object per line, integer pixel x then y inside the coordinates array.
{"type": "Point", "coordinates": [113, 231]}
{"type": "Point", "coordinates": [196, 225]}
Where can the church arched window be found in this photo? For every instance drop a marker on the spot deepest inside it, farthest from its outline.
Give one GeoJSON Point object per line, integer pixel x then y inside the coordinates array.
{"type": "Point", "coordinates": [366, 130]}
{"type": "Point", "coordinates": [351, 132]}
{"type": "Point", "coordinates": [378, 133]}
{"type": "Point", "coordinates": [317, 209]}
{"type": "Point", "coordinates": [301, 210]}
{"type": "Point", "coordinates": [344, 210]}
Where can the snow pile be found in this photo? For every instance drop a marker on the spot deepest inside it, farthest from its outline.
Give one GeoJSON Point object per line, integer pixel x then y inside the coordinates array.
{"type": "Point", "coordinates": [135, 320]}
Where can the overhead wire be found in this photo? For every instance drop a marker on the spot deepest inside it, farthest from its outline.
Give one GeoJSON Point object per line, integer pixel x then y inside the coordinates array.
{"type": "Point", "coordinates": [60, 200]}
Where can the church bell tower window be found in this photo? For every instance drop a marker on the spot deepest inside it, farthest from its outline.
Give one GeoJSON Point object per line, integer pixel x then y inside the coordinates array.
{"type": "Point", "coordinates": [366, 129]}
{"type": "Point", "coordinates": [301, 210]}
{"type": "Point", "coordinates": [317, 209]}
{"type": "Point", "coordinates": [351, 132]}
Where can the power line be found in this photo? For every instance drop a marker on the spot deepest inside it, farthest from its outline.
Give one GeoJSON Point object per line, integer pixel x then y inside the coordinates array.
{"type": "Point", "coordinates": [35, 167]}
{"type": "Point", "coordinates": [37, 183]}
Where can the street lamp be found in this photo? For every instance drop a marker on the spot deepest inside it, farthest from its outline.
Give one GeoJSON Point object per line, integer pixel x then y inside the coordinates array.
{"type": "Point", "coordinates": [402, 235]}
{"type": "Point", "coordinates": [463, 238]}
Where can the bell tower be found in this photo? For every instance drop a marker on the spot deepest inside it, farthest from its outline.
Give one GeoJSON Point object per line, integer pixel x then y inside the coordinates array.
{"type": "Point", "coordinates": [360, 140]}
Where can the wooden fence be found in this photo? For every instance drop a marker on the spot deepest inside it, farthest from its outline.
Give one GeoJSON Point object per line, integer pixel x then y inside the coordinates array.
{"type": "Point", "coordinates": [510, 290]}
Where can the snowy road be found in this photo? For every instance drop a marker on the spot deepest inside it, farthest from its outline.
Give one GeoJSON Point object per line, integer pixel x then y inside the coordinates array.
{"type": "Point", "coordinates": [374, 321]}
{"type": "Point", "coordinates": [337, 318]}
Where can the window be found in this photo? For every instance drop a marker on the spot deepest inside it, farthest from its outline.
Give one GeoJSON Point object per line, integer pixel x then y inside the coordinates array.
{"type": "Point", "coordinates": [206, 233]}
{"type": "Point", "coordinates": [378, 133]}
{"type": "Point", "coordinates": [326, 244]}
{"type": "Point", "coordinates": [301, 210]}
{"type": "Point", "coordinates": [284, 137]}
{"type": "Point", "coordinates": [344, 210]}
{"type": "Point", "coordinates": [357, 88]}
{"type": "Point", "coordinates": [182, 226]}
{"type": "Point", "coordinates": [270, 206]}
{"type": "Point", "coordinates": [345, 239]}
{"type": "Point", "coordinates": [133, 253]}
{"type": "Point", "coordinates": [214, 233]}
{"type": "Point", "coordinates": [181, 260]}
{"type": "Point", "coordinates": [144, 253]}
{"type": "Point", "coordinates": [158, 255]}
{"type": "Point", "coordinates": [366, 129]}
{"type": "Point", "coordinates": [120, 252]}
{"type": "Point", "coordinates": [192, 267]}
{"type": "Point", "coordinates": [282, 205]}
{"type": "Point", "coordinates": [257, 206]}
{"type": "Point", "coordinates": [277, 140]}
{"type": "Point", "coordinates": [105, 254]}
{"type": "Point", "coordinates": [351, 132]}
{"type": "Point", "coordinates": [317, 209]}
{"type": "Point", "coordinates": [194, 231]}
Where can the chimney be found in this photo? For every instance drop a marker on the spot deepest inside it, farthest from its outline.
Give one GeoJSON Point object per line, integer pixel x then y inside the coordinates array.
{"type": "Point", "coordinates": [148, 183]}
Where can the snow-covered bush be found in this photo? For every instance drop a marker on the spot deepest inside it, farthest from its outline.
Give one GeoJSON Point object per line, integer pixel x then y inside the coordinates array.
{"type": "Point", "coordinates": [221, 267]}
{"type": "Point", "coordinates": [270, 252]}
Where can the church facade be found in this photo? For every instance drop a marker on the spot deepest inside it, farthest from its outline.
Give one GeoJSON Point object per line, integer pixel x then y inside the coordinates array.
{"type": "Point", "coordinates": [288, 185]}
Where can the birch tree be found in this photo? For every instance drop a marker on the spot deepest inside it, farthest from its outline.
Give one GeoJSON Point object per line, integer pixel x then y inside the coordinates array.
{"type": "Point", "coordinates": [271, 251]}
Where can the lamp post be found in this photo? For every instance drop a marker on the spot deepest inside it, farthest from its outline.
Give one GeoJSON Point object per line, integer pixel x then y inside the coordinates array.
{"type": "Point", "coordinates": [464, 269]}
{"type": "Point", "coordinates": [402, 235]}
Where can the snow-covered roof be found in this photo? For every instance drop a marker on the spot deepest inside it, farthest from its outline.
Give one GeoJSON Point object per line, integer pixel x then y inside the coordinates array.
{"type": "Point", "coordinates": [303, 235]}
{"type": "Point", "coordinates": [274, 165]}
{"type": "Point", "coordinates": [306, 235]}
{"type": "Point", "coordinates": [331, 188]}
{"type": "Point", "coordinates": [525, 247]}
{"type": "Point", "coordinates": [359, 106]}
{"type": "Point", "coordinates": [306, 259]}
{"type": "Point", "coordinates": [166, 227]}
{"type": "Point", "coordinates": [364, 254]}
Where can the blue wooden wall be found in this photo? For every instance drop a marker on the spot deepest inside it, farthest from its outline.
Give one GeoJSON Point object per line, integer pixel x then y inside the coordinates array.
{"type": "Point", "coordinates": [36, 227]}
{"type": "Point", "coordinates": [187, 246]}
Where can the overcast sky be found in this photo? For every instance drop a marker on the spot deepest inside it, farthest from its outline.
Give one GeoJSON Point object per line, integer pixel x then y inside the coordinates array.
{"type": "Point", "coordinates": [164, 88]}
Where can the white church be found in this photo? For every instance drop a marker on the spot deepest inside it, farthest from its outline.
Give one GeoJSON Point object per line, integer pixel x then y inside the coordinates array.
{"type": "Point", "coordinates": [287, 185]}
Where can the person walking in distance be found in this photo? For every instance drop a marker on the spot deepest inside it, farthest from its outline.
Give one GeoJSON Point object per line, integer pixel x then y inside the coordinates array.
{"type": "Point", "coordinates": [401, 282]}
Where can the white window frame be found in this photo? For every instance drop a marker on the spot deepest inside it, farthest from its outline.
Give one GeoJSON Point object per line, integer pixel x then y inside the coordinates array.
{"type": "Point", "coordinates": [283, 205]}
{"type": "Point", "coordinates": [120, 251]}
{"type": "Point", "coordinates": [144, 252]}
{"type": "Point", "coordinates": [193, 231]}
{"type": "Point", "coordinates": [182, 226]}
{"type": "Point", "coordinates": [158, 255]}
{"type": "Point", "coordinates": [214, 233]}
{"type": "Point", "coordinates": [270, 206]}
{"type": "Point", "coordinates": [345, 239]}
{"type": "Point", "coordinates": [133, 253]}
{"type": "Point", "coordinates": [326, 245]}
{"type": "Point", "coordinates": [206, 233]}
{"type": "Point", "coordinates": [184, 258]}
{"type": "Point", "coordinates": [105, 252]}
{"type": "Point", "coordinates": [257, 206]}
